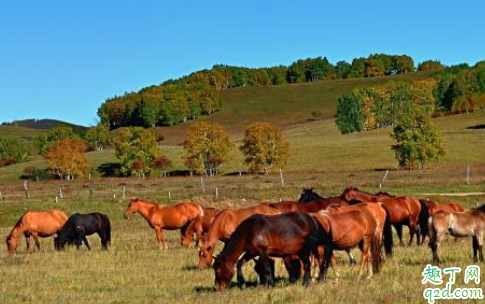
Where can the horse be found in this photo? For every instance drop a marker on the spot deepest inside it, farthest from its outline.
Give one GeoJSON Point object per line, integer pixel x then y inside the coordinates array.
{"type": "Point", "coordinates": [404, 210]}
{"type": "Point", "coordinates": [78, 226]}
{"type": "Point", "coordinates": [224, 225]}
{"type": "Point", "coordinates": [348, 229]}
{"type": "Point", "coordinates": [35, 224]}
{"type": "Point", "coordinates": [428, 208]}
{"type": "Point", "coordinates": [470, 223]}
{"type": "Point", "coordinates": [200, 225]}
{"type": "Point", "coordinates": [161, 217]}
{"type": "Point", "coordinates": [284, 235]}
{"type": "Point", "coordinates": [308, 195]}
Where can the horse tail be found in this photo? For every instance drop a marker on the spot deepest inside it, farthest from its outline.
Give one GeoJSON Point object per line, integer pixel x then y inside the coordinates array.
{"type": "Point", "coordinates": [107, 226]}
{"type": "Point", "coordinates": [432, 231]}
{"type": "Point", "coordinates": [424, 215]}
{"type": "Point", "coordinates": [376, 248]}
{"type": "Point", "coordinates": [387, 233]}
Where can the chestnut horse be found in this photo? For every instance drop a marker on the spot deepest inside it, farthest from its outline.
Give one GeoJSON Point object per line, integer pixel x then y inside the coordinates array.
{"type": "Point", "coordinates": [200, 225]}
{"type": "Point", "coordinates": [284, 235]}
{"type": "Point", "coordinates": [348, 229]}
{"type": "Point", "coordinates": [35, 224]}
{"type": "Point", "coordinates": [404, 210]}
{"type": "Point", "coordinates": [224, 225]}
{"type": "Point", "coordinates": [161, 217]}
{"type": "Point", "coordinates": [470, 223]}
{"type": "Point", "coordinates": [428, 208]}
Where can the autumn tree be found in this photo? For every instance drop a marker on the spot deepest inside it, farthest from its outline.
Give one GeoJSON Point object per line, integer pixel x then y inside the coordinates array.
{"type": "Point", "coordinates": [136, 148]}
{"type": "Point", "coordinates": [430, 66]}
{"type": "Point", "coordinates": [12, 151]}
{"type": "Point", "coordinates": [264, 148]}
{"type": "Point", "coordinates": [417, 139]}
{"type": "Point", "coordinates": [66, 158]}
{"type": "Point", "coordinates": [98, 137]}
{"type": "Point", "coordinates": [161, 164]}
{"type": "Point", "coordinates": [207, 148]}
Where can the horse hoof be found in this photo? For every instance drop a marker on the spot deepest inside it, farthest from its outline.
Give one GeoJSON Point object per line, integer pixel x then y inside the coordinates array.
{"type": "Point", "coordinates": [242, 286]}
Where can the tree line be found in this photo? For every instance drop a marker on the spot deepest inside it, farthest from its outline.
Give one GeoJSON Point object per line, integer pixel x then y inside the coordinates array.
{"type": "Point", "coordinates": [189, 97]}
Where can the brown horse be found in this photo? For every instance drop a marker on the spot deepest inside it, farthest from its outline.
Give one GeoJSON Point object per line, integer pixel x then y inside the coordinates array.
{"type": "Point", "coordinates": [161, 217]}
{"type": "Point", "coordinates": [469, 223]}
{"type": "Point", "coordinates": [404, 210]}
{"type": "Point", "coordinates": [35, 224]}
{"type": "Point", "coordinates": [428, 208]}
{"type": "Point", "coordinates": [348, 229]}
{"type": "Point", "coordinates": [224, 225]}
{"type": "Point", "coordinates": [284, 235]}
{"type": "Point", "coordinates": [200, 225]}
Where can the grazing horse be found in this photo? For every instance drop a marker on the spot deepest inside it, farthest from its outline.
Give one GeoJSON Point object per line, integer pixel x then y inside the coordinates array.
{"type": "Point", "coordinates": [348, 229]}
{"type": "Point", "coordinates": [470, 223]}
{"type": "Point", "coordinates": [224, 225]}
{"type": "Point", "coordinates": [161, 217]}
{"type": "Point", "coordinates": [428, 208]}
{"type": "Point", "coordinates": [78, 226]}
{"type": "Point", "coordinates": [308, 195]}
{"type": "Point", "coordinates": [35, 224]}
{"type": "Point", "coordinates": [200, 225]}
{"type": "Point", "coordinates": [404, 210]}
{"type": "Point", "coordinates": [284, 235]}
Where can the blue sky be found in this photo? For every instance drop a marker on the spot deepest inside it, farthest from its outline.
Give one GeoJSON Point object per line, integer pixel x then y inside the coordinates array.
{"type": "Point", "coordinates": [62, 59]}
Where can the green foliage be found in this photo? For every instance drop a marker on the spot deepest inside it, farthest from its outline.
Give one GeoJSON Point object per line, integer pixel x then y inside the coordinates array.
{"type": "Point", "coordinates": [349, 116]}
{"type": "Point", "coordinates": [207, 148]}
{"type": "Point", "coordinates": [136, 148]}
{"type": "Point", "coordinates": [12, 151]}
{"type": "Point", "coordinates": [54, 135]}
{"type": "Point", "coordinates": [264, 148]}
{"type": "Point", "coordinates": [98, 137]}
{"type": "Point", "coordinates": [417, 139]}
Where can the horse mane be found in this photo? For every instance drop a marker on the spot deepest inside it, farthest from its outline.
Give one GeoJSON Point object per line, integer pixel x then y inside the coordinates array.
{"type": "Point", "coordinates": [17, 224]}
{"type": "Point", "coordinates": [147, 201]}
{"type": "Point", "coordinates": [479, 208]}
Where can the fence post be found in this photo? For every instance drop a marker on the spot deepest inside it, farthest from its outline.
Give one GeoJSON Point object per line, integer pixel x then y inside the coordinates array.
{"type": "Point", "coordinates": [468, 175]}
{"type": "Point", "coordinates": [26, 188]}
{"type": "Point", "coordinates": [124, 192]}
{"type": "Point", "coordinates": [169, 194]}
{"type": "Point", "coordinates": [217, 192]}
{"type": "Point", "coordinates": [57, 200]}
{"type": "Point", "coordinates": [60, 193]}
{"type": "Point", "coordinates": [383, 179]}
{"type": "Point", "coordinates": [202, 183]}
{"type": "Point", "coordinates": [1, 197]}
{"type": "Point", "coordinates": [282, 179]}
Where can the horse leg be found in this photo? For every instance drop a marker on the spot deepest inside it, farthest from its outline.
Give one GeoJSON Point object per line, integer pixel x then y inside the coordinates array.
{"type": "Point", "coordinates": [333, 263]}
{"type": "Point", "coordinates": [327, 256]}
{"type": "Point", "coordinates": [104, 240]}
{"type": "Point", "coordinates": [365, 247]}
{"type": "Point", "coordinates": [79, 241]}
{"type": "Point", "coordinates": [293, 267]}
{"type": "Point", "coordinates": [266, 268]}
{"type": "Point", "coordinates": [480, 245]}
{"type": "Point", "coordinates": [86, 242]}
{"type": "Point", "coordinates": [36, 240]}
{"type": "Point", "coordinates": [27, 241]}
{"type": "Point", "coordinates": [240, 277]}
{"type": "Point", "coordinates": [307, 266]}
{"type": "Point", "coordinates": [351, 257]}
{"type": "Point", "coordinates": [182, 233]}
{"type": "Point", "coordinates": [475, 249]}
{"type": "Point", "coordinates": [160, 238]}
{"type": "Point", "coordinates": [414, 230]}
{"type": "Point", "coordinates": [399, 233]}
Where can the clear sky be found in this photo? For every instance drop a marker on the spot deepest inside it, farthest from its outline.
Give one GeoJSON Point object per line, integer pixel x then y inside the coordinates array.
{"type": "Point", "coordinates": [62, 59]}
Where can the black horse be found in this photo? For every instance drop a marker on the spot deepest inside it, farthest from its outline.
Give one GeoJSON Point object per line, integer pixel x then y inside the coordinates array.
{"type": "Point", "coordinates": [78, 226]}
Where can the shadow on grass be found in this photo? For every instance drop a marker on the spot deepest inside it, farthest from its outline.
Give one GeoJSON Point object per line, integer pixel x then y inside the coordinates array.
{"type": "Point", "coordinates": [477, 127]}
{"type": "Point", "coordinates": [191, 268]}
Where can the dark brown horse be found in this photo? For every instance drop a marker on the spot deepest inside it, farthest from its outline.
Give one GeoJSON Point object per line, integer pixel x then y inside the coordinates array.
{"type": "Point", "coordinates": [404, 210]}
{"type": "Point", "coordinates": [428, 208]}
{"type": "Point", "coordinates": [348, 229]}
{"type": "Point", "coordinates": [199, 226]}
{"type": "Point", "coordinates": [284, 235]}
{"type": "Point", "coordinates": [161, 217]}
{"type": "Point", "coordinates": [470, 223]}
{"type": "Point", "coordinates": [224, 225]}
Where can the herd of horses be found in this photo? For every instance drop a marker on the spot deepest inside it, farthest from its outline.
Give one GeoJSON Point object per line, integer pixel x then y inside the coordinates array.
{"type": "Point", "coordinates": [302, 233]}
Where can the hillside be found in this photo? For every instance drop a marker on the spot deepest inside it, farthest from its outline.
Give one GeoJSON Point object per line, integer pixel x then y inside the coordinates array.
{"type": "Point", "coordinates": [42, 124]}
{"type": "Point", "coordinates": [283, 105]}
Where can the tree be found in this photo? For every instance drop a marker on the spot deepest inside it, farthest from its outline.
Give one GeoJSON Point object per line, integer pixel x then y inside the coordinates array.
{"type": "Point", "coordinates": [162, 163]}
{"type": "Point", "coordinates": [12, 151]}
{"type": "Point", "coordinates": [207, 147]}
{"type": "Point", "coordinates": [66, 158]}
{"type": "Point", "coordinates": [430, 66]}
{"type": "Point", "coordinates": [98, 137]}
{"type": "Point", "coordinates": [349, 117]}
{"type": "Point", "coordinates": [264, 148]}
{"type": "Point", "coordinates": [54, 135]}
{"type": "Point", "coordinates": [145, 114]}
{"type": "Point", "coordinates": [136, 148]}
{"type": "Point", "coordinates": [417, 139]}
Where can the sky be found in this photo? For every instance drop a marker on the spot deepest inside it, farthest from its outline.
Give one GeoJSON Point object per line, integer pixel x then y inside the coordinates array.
{"type": "Point", "coordinates": [62, 59]}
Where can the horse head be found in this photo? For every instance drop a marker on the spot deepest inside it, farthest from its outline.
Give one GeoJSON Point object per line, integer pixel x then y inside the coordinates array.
{"type": "Point", "coordinates": [59, 244]}
{"type": "Point", "coordinates": [205, 255]}
{"type": "Point", "coordinates": [223, 273]}
{"type": "Point", "coordinates": [132, 207]}
{"type": "Point", "coordinates": [12, 244]}
{"type": "Point", "coordinates": [308, 195]}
